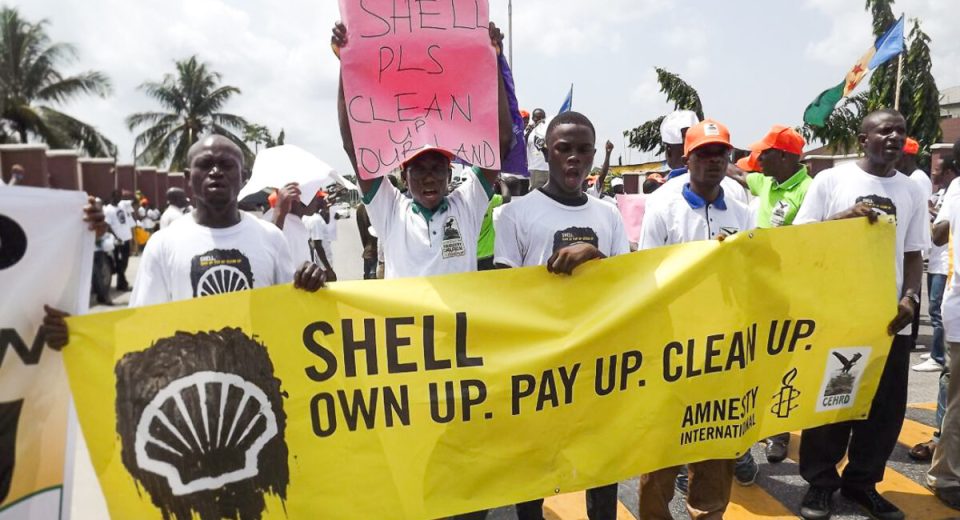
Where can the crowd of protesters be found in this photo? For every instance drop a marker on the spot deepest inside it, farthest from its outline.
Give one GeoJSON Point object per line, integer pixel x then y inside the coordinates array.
{"type": "Point", "coordinates": [418, 224]}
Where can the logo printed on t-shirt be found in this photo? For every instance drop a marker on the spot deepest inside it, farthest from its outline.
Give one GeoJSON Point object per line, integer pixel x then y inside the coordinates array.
{"type": "Point", "coordinates": [881, 205]}
{"type": "Point", "coordinates": [121, 215]}
{"type": "Point", "coordinates": [778, 215]}
{"type": "Point", "coordinates": [452, 245]}
{"type": "Point", "coordinates": [220, 271]}
{"type": "Point", "coordinates": [574, 235]}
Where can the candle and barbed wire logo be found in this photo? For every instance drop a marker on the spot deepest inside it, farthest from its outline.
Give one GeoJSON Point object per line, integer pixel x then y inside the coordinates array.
{"type": "Point", "coordinates": [201, 424]}
{"type": "Point", "coordinates": [786, 398]}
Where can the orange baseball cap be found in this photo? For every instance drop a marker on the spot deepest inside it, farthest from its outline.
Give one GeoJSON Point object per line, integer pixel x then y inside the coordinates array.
{"type": "Point", "coordinates": [911, 147]}
{"type": "Point", "coordinates": [524, 113]}
{"type": "Point", "coordinates": [750, 163]}
{"type": "Point", "coordinates": [426, 149]}
{"type": "Point", "coordinates": [703, 133]}
{"type": "Point", "coordinates": [781, 138]}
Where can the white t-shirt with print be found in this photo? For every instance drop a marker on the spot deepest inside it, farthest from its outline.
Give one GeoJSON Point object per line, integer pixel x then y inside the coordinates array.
{"type": "Point", "coordinates": [674, 221]}
{"type": "Point", "coordinates": [187, 260]}
{"type": "Point", "coordinates": [533, 227]}
{"type": "Point", "coordinates": [120, 220]}
{"type": "Point", "coordinates": [950, 308]}
{"type": "Point", "coordinates": [838, 189]}
{"type": "Point", "coordinates": [731, 189]}
{"type": "Point", "coordinates": [444, 243]}
{"type": "Point", "coordinates": [535, 143]}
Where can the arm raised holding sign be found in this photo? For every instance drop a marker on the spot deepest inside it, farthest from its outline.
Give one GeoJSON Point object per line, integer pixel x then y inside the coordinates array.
{"type": "Point", "coordinates": [505, 129]}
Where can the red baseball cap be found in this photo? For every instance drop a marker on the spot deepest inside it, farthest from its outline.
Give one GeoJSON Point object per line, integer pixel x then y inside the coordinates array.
{"type": "Point", "coordinates": [427, 149]}
{"type": "Point", "coordinates": [703, 133]}
{"type": "Point", "coordinates": [781, 138]}
{"type": "Point", "coordinates": [911, 147]}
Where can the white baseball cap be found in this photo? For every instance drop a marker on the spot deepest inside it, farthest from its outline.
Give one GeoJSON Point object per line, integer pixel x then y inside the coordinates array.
{"type": "Point", "coordinates": [673, 124]}
{"type": "Point", "coordinates": [616, 181]}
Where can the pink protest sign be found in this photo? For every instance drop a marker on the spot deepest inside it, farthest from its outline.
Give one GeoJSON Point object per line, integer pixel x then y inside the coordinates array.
{"type": "Point", "coordinates": [631, 209]}
{"type": "Point", "coordinates": [419, 73]}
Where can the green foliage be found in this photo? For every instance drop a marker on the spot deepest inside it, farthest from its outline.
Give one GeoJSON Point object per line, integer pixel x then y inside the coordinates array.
{"type": "Point", "coordinates": [191, 100]}
{"type": "Point", "coordinates": [646, 137]}
{"type": "Point", "coordinates": [32, 82]}
{"type": "Point", "coordinates": [260, 135]}
{"type": "Point", "coordinates": [920, 89]}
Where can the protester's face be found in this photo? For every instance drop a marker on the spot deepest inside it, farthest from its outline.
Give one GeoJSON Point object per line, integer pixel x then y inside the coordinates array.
{"type": "Point", "coordinates": [618, 190]}
{"type": "Point", "coordinates": [570, 152]}
{"type": "Point", "coordinates": [526, 120]}
{"type": "Point", "coordinates": [773, 162]}
{"type": "Point", "coordinates": [427, 178]}
{"type": "Point", "coordinates": [708, 164]}
{"type": "Point", "coordinates": [215, 174]}
{"type": "Point", "coordinates": [539, 115]}
{"type": "Point", "coordinates": [883, 138]}
{"type": "Point", "coordinates": [674, 153]}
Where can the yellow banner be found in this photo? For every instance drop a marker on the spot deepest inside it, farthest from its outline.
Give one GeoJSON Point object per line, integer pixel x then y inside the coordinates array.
{"type": "Point", "coordinates": [422, 398]}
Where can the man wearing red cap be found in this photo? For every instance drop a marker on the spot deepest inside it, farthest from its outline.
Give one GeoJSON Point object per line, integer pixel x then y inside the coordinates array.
{"type": "Point", "coordinates": [701, 210]}
{"type": "Point", "coordinates": [433, 231]}
{"type": "Point", "coordinates": [869, 187]}
{"type": "Point", "coordinates": [784, 181]}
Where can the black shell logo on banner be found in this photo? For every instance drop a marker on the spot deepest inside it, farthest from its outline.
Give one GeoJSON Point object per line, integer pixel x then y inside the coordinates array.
{"type": "Point", "coordinates": [236, 421]}
{"type": "Point", "coordinates": [13, 242]}
{"type": "Point", "coordinates": [201, 424]}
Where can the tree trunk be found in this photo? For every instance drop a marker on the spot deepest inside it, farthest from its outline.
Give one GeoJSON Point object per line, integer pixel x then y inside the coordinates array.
{"type": "Point", "coordinates": [23, 135]}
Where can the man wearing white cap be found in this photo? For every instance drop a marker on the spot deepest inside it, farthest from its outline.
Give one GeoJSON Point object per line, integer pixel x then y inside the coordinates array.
{"type": "Point", "coordinates": [673, 129]}
{"type": "Point", "coordinates": [430, 232]}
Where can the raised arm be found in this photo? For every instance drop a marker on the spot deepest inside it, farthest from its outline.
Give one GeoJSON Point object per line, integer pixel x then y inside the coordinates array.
{"type": "Point", "coordinates": [337, 42]}
{"type": "Point", "coordinates": [605, 168]}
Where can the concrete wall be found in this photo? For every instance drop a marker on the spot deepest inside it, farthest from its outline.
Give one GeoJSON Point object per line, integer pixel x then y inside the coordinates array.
{"type": "Point", "coordinates": [160, 201]}
{"type": "Point", "coordinates": [147, 182]}
{"type": "Point", "coordinates": [126, 178]}
{"type": "Point", "coordinates": [97, 177]}
{"type": "Point", "coordinates": [64, 168]}
{"type": "Point", "coordinates": [176, 180]}
{"type": "Point", "coordinates": [33, 159]}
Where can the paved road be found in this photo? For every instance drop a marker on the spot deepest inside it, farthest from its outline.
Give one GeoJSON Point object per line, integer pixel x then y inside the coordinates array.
{"type": "Point", "coordinates": [776, 494]}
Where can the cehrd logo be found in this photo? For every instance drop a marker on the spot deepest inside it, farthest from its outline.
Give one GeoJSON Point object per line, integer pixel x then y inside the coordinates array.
{"type": "Point", "coordinates": [13, 242]}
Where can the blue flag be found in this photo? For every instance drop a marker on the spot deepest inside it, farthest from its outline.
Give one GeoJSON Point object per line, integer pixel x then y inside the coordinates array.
{"type": "Point", "coordinates": [889, 45]}
{"type": "Point", "coordinates": [567, 103]}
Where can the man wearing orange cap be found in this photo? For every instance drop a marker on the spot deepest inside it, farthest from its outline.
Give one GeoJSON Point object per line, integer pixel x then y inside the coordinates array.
{"type": "Point", "coordinates": [701, 210]}
{"type": "Point", "coordinates": [784, 181]}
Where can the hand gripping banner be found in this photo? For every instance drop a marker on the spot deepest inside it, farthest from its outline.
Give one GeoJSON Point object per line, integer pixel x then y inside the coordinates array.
{"type": "Point", "coordinates": [422, 398]}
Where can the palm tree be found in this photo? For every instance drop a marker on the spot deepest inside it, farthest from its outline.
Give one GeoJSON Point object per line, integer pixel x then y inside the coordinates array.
{"type": "Point", "coordinates": [30, 82]}
{"type": "Point", "coordinates": [646, 137]}
{"type": "Point", "coordinates": [192, 99]}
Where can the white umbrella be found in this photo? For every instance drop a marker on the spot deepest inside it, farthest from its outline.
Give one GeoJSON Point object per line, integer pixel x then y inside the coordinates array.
{"type": "Point", "coordinates": [278, 166]}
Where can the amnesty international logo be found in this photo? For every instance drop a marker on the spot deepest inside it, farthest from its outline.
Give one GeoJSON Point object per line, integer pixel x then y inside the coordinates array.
{"type": "Point", "coordinates": [786, 398]}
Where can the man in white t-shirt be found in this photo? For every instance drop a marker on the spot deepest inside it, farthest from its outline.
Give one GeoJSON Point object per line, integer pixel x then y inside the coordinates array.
{"type": "Point", "coordinates": [701, 210]}
{"type": "Point", "coordinates": [560, 227]}
{"type": "Point", "coordinates": [908, 166]}
{"type": "Point", "coordinates": [535, 133]}
{"type": "Point", "coordinates": [119, 216]}
{"type": "Point", "coordinates": [944, 475]}
{"type": "Point", "coordinates": [431, 232]}
{"type": "Point", "coordinates": [869, 187]}
{"type": "Point", "coordinates": [287, 212]}
{"type": "Point", "coordinates": [217, 248]}
{"type": "Point", "coordinates": [323, 231]}
{"type": "Point", "coordinates": [176, 207]}
{"type": "Point", "coordinates": [673, 129]}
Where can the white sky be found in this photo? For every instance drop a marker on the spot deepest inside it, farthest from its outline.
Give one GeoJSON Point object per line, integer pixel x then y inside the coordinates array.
{"type": "Point", "coordinates": [755, 62]}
